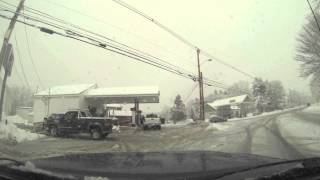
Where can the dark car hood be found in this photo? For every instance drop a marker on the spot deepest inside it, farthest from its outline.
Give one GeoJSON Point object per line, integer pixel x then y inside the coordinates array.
{"type": "Point", "coordinates": [155, 165]}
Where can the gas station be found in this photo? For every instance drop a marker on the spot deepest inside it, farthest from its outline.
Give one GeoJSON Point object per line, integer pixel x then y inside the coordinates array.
{"type": "Point", "coordinates": [101, 97]}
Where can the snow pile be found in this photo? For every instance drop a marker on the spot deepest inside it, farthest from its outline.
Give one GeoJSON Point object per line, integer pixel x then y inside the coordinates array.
{"type": "Point", "coordinates": [185, 122]}
{"type": "Point", "coordinates": [95, 178]}
{"type": "Point", "coordinates": [18, 119]}
{"type": "Point", "coordinates": [222, 126]}
{"type": "Point", "coordinates": [314, 109]}
{"type": "Point", "coordinates": [12, 133]}
{"type": "Point", "coordinates": [179, 123]}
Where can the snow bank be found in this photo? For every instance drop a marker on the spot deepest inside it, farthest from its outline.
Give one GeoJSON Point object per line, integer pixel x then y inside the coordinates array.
{"type": "Point", "coordinates": [12, 133]}
{"type": "Point", "coordinates": [314, 109]}
{"type": "Point", "coordinates": [266, 114]}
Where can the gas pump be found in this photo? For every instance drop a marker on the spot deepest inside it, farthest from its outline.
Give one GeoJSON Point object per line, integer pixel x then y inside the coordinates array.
{"type": "Point", "coordinates": [136, 114]}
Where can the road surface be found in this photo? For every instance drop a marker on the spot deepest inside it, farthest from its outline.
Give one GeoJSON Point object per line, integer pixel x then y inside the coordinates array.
{"type": "Point", "coordinates": [272, 135]}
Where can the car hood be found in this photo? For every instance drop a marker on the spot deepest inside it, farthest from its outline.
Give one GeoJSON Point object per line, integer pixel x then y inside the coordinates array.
{"type": "Point", "coordinates": [155, 165]}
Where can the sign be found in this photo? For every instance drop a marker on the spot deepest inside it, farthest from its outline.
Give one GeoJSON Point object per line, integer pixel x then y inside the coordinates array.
{"type": "Point", "coordinates": [9, 64]}
{"type": "Point", "coordinates": [5, 54]}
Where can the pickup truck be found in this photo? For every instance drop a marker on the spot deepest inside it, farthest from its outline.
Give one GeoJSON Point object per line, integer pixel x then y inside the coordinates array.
{"type": "Point", "coordinates": [151, 121]}
{"type": "Point", "coordinates": [78, 121]}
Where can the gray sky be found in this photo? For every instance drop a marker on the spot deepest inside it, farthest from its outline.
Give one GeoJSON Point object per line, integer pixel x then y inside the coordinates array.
{"type": "Point", "coordinates": [257, 36]}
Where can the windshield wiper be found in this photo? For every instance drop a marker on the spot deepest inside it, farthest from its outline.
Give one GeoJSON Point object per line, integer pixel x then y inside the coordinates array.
{"type": "Point", "coordinates": [310, 166]}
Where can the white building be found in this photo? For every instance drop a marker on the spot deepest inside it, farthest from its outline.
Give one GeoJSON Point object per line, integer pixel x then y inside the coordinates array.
{"type": "Point", "coordinates": [60, 99]}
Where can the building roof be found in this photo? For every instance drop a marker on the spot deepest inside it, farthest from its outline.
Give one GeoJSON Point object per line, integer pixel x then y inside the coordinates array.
{"type": "Point", "coordinates": [229, 101]}
{"type": "Point", "coordinates": [120, 95]}
{"type": "Point", "coordinates": [75, 89]}
{"type": "Point", "coordinates": [123, 91]}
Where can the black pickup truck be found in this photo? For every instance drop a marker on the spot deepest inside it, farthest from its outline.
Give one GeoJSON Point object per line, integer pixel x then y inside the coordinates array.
{"type": "Point", "coordinates": [78, 121]}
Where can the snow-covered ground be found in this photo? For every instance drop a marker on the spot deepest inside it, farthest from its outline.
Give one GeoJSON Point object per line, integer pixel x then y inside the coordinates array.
{"type": "Point", "coordinates": [11, 132]}
{"type": "Point", "coordinates": [298, 129]}
{"type": "Point", "coordinates": [315, 109]}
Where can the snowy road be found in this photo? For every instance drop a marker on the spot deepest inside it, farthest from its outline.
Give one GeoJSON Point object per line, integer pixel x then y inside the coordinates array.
{"type": "Point", "coordinates": [288, 135]}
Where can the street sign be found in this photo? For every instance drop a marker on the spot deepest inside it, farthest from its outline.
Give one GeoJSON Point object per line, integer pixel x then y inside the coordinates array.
{"type": "Point", "coordinates": [9, 64]}
{"type": "Point", "coordinates": [5, 54]}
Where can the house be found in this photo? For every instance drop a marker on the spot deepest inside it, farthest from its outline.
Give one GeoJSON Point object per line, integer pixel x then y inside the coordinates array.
{"type": "Point", "coordinates": [238, 106]}
{"type": "Point", "coordinates": [60, 99]}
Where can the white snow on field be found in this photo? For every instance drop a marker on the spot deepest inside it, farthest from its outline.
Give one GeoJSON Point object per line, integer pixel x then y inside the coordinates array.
{"type": "Point", "coordinates": [12, 133]}
{"type": "Point", "coordinates": [315, 109]}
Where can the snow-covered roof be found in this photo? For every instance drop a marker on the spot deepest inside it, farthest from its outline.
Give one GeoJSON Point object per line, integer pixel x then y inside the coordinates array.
{"type": "Point", "coordinates": [75, 89]}
{"type": "Point", "coordinates": [123, 91]}
{"type": "Point", "coordinates": [113, 105]}
{"type": "Point", "coordinates": [228, 101]}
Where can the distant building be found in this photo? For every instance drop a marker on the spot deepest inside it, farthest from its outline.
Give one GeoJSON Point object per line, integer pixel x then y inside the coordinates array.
{"type": "Point", "coordinates": [238, 106]}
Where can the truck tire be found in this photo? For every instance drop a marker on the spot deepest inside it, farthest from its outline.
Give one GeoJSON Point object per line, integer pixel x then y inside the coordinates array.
{"type": "Point", "coordinates": [96, 134]}
{"type": "Point", "coordinates": [53, 131]}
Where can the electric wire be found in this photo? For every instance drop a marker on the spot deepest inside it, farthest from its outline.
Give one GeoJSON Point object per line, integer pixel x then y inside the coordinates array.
{"type": "Point", "coordinates": [31, 57]}
{"type": "Point", "coordinates": [20, 62]}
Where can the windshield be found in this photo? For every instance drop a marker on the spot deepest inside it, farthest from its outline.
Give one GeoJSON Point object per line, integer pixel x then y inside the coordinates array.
{"type": "Point", "coordinates": [237, 77]}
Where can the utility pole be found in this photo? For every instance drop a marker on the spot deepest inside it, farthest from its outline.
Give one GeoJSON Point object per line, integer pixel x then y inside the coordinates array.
{"type": "Point", "coordinates": [4, 49]}
{"type": "Point", "coordinates": [200, 87]}
{"type": "Point", "coordinates": [202, 96]}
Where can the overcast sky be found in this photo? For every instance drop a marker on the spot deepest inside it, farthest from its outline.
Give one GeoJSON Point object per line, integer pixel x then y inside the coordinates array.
{"type": "Point", "coordinates": [257, 36]}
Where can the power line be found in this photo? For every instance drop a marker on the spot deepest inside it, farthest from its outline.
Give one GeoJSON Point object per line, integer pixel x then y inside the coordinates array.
{"type": "Point", "coordinates": [116, 50]}
{"type": "Point", "coordinates": [90, 37]}
{"type": "Point", "coordinates": [191, 92]}
{"type": "Point", "coordinates": [123, 4]}
{"type": "Point", "coordinates": [18, 75]}
{"type": "Point", "coordinates": [30, 55]}
{"type": "Point", "coordinates": [20, 62]}
{"type": "Point", "coordinates": [114, 26]}
{"type": "Point", "coordinates": [48, 16]}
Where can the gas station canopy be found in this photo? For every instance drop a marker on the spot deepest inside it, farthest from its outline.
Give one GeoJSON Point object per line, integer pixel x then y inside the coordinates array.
{"type": "Point", "coordinates": [120, 95]}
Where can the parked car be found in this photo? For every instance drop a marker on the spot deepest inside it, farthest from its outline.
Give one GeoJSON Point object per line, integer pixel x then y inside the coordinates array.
{"type": "Point", "coordinates": [78, 121]}
{"type": "Point", "coordinates": [151, 121]}
{"type": "Point", "coordinates": [216, 119]}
